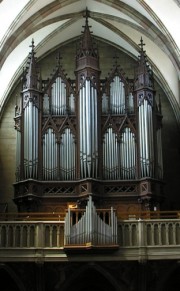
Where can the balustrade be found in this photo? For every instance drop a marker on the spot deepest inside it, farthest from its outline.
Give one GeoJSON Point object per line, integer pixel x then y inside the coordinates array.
{"type": "Point", "coordinates": [20, 234]}
{"type": "Point", "coordinates": [131, 233]}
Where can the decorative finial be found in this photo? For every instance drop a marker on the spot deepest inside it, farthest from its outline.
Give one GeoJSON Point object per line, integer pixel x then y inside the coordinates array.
{"type": "Point", "coordinates": [141, 44]}
{"type": "Point", "coordinates": [116, 59]}
{"type": "Point", "coordinates": [32, 45]}
{"type": "Point", "coordinates": [86, 14]}
{"type": "Point", "coordinates": [58, 58]}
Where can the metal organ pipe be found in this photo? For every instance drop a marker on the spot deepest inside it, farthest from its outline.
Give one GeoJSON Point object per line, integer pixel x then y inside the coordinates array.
{"type": "Point", "coordinates": [46, 104]}
{"type": "Point", "coordinates": [117, 96]}
{"type": "Point", "coordinates": [58, 97]}
{"type": "Point", "coordinates": [127, 154]}
{"type": "Point", "coordinates": [71, 103]}
{"type": "Point", "coordinates": [30, 140]}
{"type": "Point", "coordinates": [81, 130]}
{"type": "Point", "coordinates": [130, 103]}
{"type": "Point", "coordinates": [104, 103]}
{"type": "Point", "coordinates": [67, 156]}
{"type": "Point", "coordinates": [159, 152]}
{"type": "Point", "coordinates": [146, 139]}
{"type": "Point", "coordinates": [88, 130]}
{"type": "Point", "coordinates": [110, 155]}
{"type": "Point", "coordinates": [18, 154]}
{"type": "Point", "coordinates": [50, 155]}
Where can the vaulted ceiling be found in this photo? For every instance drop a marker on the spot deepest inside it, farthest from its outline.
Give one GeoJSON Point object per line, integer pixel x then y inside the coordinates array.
{"type": "Point", "coordinates": [118, 22]}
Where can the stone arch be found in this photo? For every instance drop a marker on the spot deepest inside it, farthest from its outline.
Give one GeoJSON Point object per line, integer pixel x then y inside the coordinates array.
{"type": "Point", "coordinates": [170, 278]}
{"type": "Point", "coordinates": [12, 277]}
{"type": "Point", "coordinates": [91, 277]}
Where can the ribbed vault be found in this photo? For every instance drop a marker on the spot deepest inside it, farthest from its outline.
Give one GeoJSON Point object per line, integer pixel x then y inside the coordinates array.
{"type": "Point", "coordinates": [120, 23]}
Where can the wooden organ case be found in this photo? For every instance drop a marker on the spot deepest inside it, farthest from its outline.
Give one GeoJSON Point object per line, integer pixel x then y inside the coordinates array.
{"type": "Point", "coordinates": [88, 136]}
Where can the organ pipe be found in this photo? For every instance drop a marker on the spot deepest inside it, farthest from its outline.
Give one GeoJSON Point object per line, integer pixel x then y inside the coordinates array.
{"type": "Point", "coordinates": [71, 104]}
{"type": "Point", "coordinates": [127, 154]}
{"type": "Point", "coordinates": [46, 104]}
{"type": "Point", "coordinates": [58, 97]}
{"type": "Point", "coordinates": [67, 156]}
{"type": "Point", "coordinates": [110, 155]}
{"type": "Point", "coordinates": [117, 96]}
{"type": "Point", "coordinates": [18, 154]}
{"type": "Point", "coordinates": [30, 140]}
{"type": "Point", "coordinates": [88, 130]}
{"type": "Point", "coordinates": [119, 157]}
{"type": "Point", "coordinates": [160, 157]}
{"type": "Point", "coordinates": [130, 105]}
{"type": "Point", "coordinates": [146, 139]}
{"type": "Point", "coordinates": [104, 104]}
{"type": "Point", "coordinates": [90, 228]}
{"type": "Point", "coordinates": [65, 159]}
{"type": "Point", "coordinates": [50, 162]}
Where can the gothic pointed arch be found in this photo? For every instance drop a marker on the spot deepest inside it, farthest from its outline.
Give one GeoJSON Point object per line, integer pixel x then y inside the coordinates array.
{"type": "Point", "coordinates": [102, 279]}
{"type": "Point", "coordinates": [10, 279]}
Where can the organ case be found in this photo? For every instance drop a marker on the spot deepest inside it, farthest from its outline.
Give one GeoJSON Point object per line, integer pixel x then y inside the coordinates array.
{"type": "Point", "coordinates": [88, 136]}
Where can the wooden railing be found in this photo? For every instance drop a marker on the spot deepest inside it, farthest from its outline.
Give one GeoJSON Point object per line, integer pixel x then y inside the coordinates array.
{"type": "Point", "coordinates": [149, 232]}
{"type": "Point", "coordinates": [32, 234]}
{"type": "Point", "coordinates": [60, 216]}
{"type": "Point", "coordinates": [32, 237]}
{"type": "Point", "coordinates": [32, 216]}
{"type": "Point", "coordinates": [149, 215]}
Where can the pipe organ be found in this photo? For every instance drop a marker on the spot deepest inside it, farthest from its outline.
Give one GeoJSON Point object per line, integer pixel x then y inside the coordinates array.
{"type": "Point", "coordinates": [88, 136]}
{"type": "Point", "coordinates": [91, 230]}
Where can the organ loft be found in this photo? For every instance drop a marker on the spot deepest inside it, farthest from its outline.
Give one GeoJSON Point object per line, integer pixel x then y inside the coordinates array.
{"type": "Point", "coordinates": [88, 136]}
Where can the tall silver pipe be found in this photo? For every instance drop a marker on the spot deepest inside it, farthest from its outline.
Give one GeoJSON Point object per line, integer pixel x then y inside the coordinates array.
{"type": "Point", "coordinates": [127, 152]}
{"type": "Point", "coordinates": [141, 139]}
{"type": "Point", "coordinates": [71, 103]}
{"type": "Point", "coordinates": [116, 95]}
{"type": "Point", "coordinates": [44, 156]}
{"type": "Point", "coordinates": [81, 132]}
{"type": "Point", "coordinates": [151, 142]}
{"type": "Point", "coordinates": [121, 157]}
{"type": "Point", "coordinates": [124, 156]}
{"type": "Point", "coordinates": [116, 159]}
{"type": "Point", "coordinates": [109, 152]}
{"type": "Point", "coordinates": [88, 129]}
{"type": "Point", "coordinates": [146, 137]}
{"type": "Point", "coordinates": [93, 132]}
{"type": "Point", "coordinates": [25, 141]}
{"type": "Point", "coordinates": [29, 154]}
{"type": "Point", "coordinates": [96, 133]}
{"type": "Point", "coordinates": [104, 157]}
{"type": "Point", "coordinates": [160, 159]}
{"type": "Point", "coordinates": [60, 98]}
{"type": "Point", "coordinates": [112, 154]}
